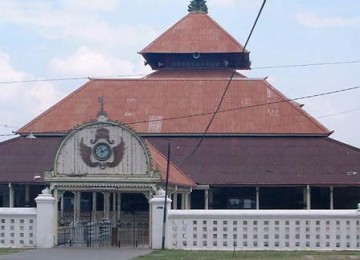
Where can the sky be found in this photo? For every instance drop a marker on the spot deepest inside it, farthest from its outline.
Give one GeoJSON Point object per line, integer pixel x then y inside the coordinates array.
{"type": "Point", "coordinates": [69, 39]}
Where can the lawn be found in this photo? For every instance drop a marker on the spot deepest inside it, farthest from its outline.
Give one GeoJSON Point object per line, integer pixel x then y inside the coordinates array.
{"type": "Point", "coordinates": [251, 255]}
{"type": "Point", "coordinates": [5, 251]}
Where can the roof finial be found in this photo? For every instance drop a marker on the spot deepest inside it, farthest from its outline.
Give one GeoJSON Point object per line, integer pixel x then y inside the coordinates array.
{"type": "Point", "coordinates": [198, 6]}
{"type": "Point", "coordinates": [102, 115]}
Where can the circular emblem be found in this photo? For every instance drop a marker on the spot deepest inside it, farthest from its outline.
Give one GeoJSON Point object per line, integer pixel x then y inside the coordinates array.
{"type": "Point", "coordinates": [102, 151]}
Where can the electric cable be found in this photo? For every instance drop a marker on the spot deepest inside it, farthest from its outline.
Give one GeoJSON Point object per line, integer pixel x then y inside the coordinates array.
{"type": "Point", "coordinates": [227, 86]}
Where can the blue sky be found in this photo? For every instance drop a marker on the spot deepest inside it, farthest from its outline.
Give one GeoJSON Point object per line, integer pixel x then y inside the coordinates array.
{"type": "Point", "coordinates": [42, 39]}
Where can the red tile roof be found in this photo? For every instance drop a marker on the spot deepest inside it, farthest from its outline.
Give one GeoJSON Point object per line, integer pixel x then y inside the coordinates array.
{"type": "Point", "coordinates": [22, 159]}
{"type": "Point", "coordinates": [176, 176]}
{"type": "Point", "coordinates": [265, 160]}
{"type": "Point", "coordinates": [197, 32]}
{"type": "Point", "coordinates": [181, 106]}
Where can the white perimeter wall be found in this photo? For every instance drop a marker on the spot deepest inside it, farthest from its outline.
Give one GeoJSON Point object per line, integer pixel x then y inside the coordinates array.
{"type": "Point", "coordinates": [263, 229]}
{"type": "Point", "coordinates": [18, 227]}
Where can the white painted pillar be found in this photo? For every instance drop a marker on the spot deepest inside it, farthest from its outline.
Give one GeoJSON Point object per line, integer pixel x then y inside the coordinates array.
{"type": "Point", "coordinates": [331, 197]}
{"type": "Point", "coordinates": [157, 216]}
{"type": "Point", "coordinates": [55, 209]}
{"type": "Point", "coordinates": [257, 197]}
{"type": "Point", "coordinates": [46, 224]}
{"type": "Point", "coordinates": [11, 196]}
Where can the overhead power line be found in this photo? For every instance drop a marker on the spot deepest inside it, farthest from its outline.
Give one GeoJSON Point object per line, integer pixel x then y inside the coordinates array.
{"type": "Point", "coordinates": [307, 65]}
{"type": "Point", "coordinates": [227, 86]}
{"type": "Point", "coordinates": [140, 75]}
{"type": "Point", "coordinates": [243, 107]}
{"type": "Point", "coordinates": [339, 113]}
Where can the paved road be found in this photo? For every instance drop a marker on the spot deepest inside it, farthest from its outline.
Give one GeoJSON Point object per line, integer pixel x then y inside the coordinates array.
{"type": "Point", "coordinates": [77, 254]}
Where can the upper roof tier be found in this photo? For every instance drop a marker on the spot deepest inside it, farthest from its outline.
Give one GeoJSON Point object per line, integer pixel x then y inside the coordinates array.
{"type": "Point", "coordinates": [196, 41]}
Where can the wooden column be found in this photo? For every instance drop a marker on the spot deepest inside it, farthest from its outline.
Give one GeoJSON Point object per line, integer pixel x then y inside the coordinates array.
{"type": "Point", "coordinates": [331, 197]}
{"type": "Point", "coordinates": [11, 196]}
{"type": "Point", "coordinates": [119, 205]}
{"type": "Point", "coordinates": [308, 197]}
{"type": "Point", "coordinates": [257, 197]}
{"type": "Point", "coordinates": [175, 195]}
{"type": "Point", "coordinates": [27, 195]}
{"type": "Point", "coordinates": [94, 206]}
{"type": "Point", "coordinates": [62, 205]}
{"type": "Point", "coordinates": [106, 205]}
{"type": "Point", "coordinates": [206, 195]}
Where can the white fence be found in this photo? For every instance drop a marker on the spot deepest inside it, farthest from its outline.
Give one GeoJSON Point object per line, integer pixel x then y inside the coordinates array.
{"type": "Point", "coordinates": [263, 229]}
{"type": "Point", "coordinates": [29, 227]}
{"type": "Point", "coordinates": [18, 227]}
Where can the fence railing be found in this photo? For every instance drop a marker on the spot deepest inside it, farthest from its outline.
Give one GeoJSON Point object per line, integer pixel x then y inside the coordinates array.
{"type": "Point", "coordinates": [263, 229]}
{"type": "Point", "coordinates": [18, 227]}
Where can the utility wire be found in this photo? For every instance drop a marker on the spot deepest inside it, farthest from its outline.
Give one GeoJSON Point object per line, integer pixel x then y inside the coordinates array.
{"type": "Point", "coordinates": [64, 79]}
{"type": "Point", "coordinates": [306, 64]}
{"type": "Point", "coordinates": [138, 75]}
{"type": "Point", "coordinates": [252, 29]}
{"type": "Point", "coordinates": [339, 113]}
{"type": "Point", "coordinates": [235, 109]}
{"type": "Point", "coordinates": [226, 88]}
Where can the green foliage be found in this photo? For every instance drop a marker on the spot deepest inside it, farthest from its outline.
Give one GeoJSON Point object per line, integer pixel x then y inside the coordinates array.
{"type": "Point", "coordinates": [198, 6]}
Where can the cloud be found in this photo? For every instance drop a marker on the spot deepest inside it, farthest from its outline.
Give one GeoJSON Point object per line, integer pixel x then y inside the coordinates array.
{"type": "Point", "coordinates": [89, 62]}
{"type": "Point", "coordinates": [246, 4]}
{"type": "Point", "coordinates": [20, 101]}
{"type": "Point", "coordinates": [75, 21]}
{"type": "Point", "coordinates": [315, 21]}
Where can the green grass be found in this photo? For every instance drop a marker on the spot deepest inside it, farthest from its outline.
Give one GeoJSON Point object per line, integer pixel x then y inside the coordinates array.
{"type": "Point", "coordinates": [251, 255]}
{"type": "Point", "coordinates": [5, 251]}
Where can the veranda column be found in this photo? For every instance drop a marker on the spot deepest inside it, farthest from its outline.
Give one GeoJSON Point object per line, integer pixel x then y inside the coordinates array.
{"type": "Point", "coordinates": [118, 205]}
{"type": "Point", "coordinates": [308, 197]}
{"type": "Point", "coordinates": [257, 197]}
{"type": "Point", "coordinates": [77, 199]}
{"type": "Point", "coordinates": [11, 196]}
{"type": "Point", "coordinates": [94, 206]}
{"type": "Point", "coordinates": [113, 215]}
{"type": "Point", "coordinates": [183, 203]}
{"type": "Point", "coordinates": [175, 200]}
{"type": "Point", "coordinates": [106, 204]}
{"type": "Point", "coordinates": [331, 197]}
{"type": "Point", "coordinates": [27, 195]}
{"type": "Point", "coordinates": [62, 205]}
{"type": "Point", "coordinates": [206, 195]}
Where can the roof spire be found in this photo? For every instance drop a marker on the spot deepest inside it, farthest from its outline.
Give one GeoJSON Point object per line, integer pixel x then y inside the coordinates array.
{"type": "Point", "coordinates": [198, 6]}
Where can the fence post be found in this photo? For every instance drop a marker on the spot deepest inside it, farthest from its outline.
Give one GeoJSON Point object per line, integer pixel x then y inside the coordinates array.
{"type": "Point", "coordinates": [157, 213]}
{"type": "Point", "coordinates": [45, 236]}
